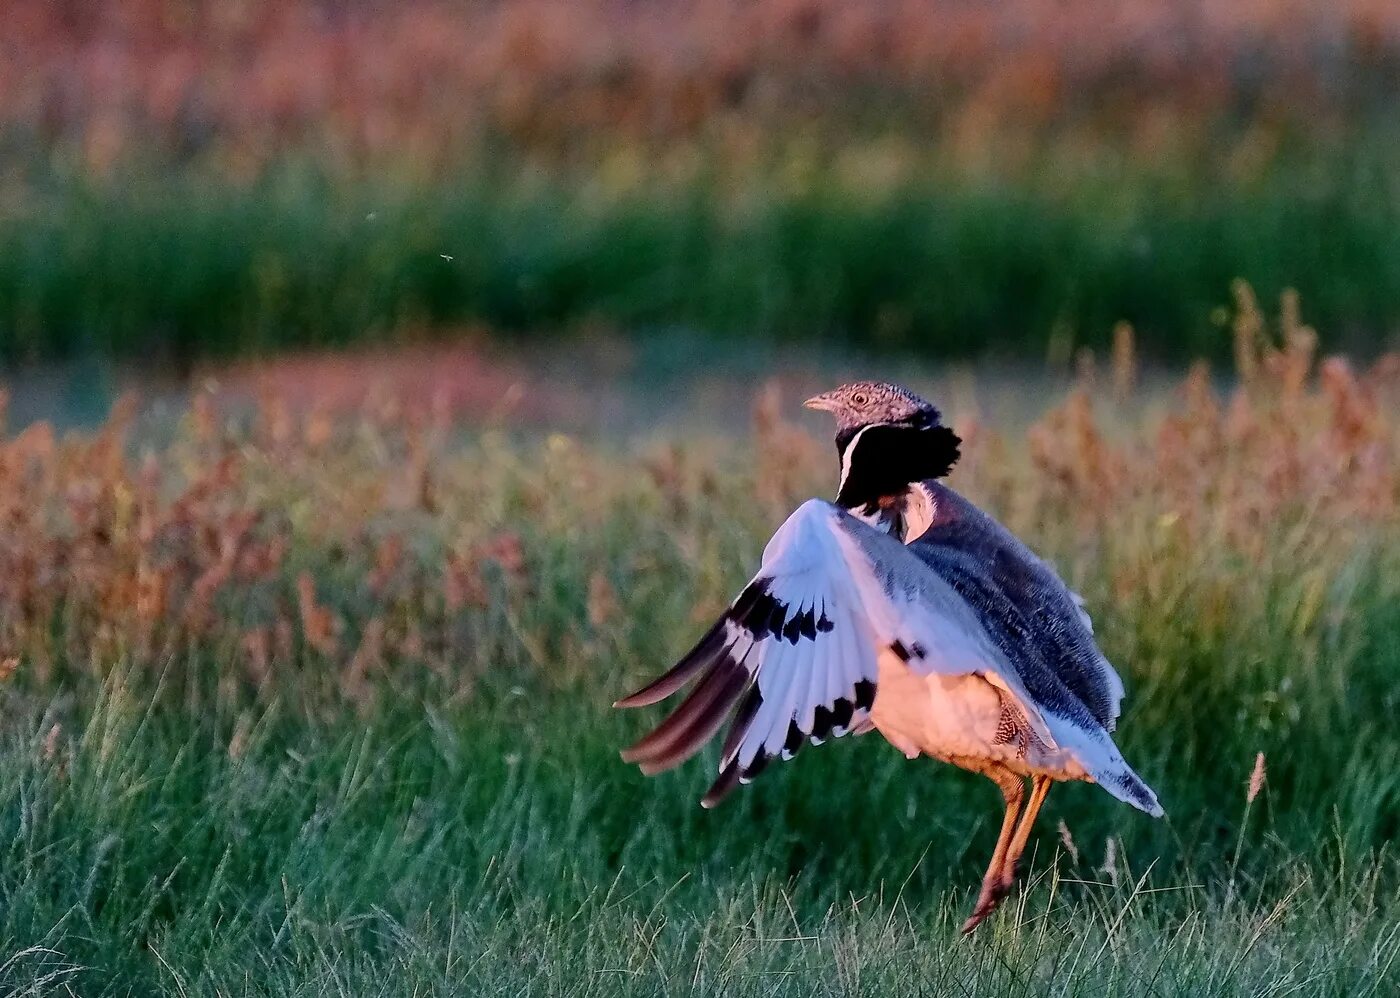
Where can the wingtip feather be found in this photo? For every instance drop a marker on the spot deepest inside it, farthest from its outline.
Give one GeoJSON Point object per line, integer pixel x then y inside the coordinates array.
{"type": "Point", "coordinates": [722, 787]}
{"type": "Point", "coordinates": [706, 650]}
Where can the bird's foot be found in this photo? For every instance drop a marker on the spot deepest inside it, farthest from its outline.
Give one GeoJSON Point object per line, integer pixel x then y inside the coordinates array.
{"type": "Point", "coordinates": [988, 900]}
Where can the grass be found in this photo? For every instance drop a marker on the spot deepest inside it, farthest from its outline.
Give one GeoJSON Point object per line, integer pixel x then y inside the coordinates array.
{"type": "Point", "coordinates": [411, 855]}
{"type": "Point", "coordinates": [1012, 179]}
{"type": "Point", "coordinates": [184, 266]}
{"type": "Point", "coordinates": [315, 703]}
{"type": "Point", "coordinates": [425, 79]}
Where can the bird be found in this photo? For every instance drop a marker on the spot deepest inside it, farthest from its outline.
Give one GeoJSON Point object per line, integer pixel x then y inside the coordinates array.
{"type": "Point", "coordinates": [902, 608]}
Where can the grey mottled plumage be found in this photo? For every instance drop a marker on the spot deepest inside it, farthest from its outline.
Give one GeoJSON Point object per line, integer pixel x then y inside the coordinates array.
{"type": "Point", "coordinates": [1047, 633]}
{"type": "Point", "coordinates": [866, 403]}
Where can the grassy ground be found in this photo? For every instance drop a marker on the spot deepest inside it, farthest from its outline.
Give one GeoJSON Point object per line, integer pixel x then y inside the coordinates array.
{"type": "Point", "coordinates": [317, 703]}
{"type": "Point", "coordinates": [813, 248]}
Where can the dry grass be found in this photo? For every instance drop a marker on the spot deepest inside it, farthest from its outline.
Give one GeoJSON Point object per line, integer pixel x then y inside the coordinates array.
{"type": "Point", "coordinates": [244, 82]}
{"type": "Point", "coordinates": [120, 548]}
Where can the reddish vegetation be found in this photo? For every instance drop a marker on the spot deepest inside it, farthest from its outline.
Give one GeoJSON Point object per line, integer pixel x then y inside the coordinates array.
{"type": "Point", "coordinates": [242, 80]}
{"type": "Point", "coordinates": [360, 539]}
{"type": "Point", "coordinates": [450, 380]}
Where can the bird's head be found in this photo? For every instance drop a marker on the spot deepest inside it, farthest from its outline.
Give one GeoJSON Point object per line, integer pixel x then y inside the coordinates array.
{"type": "Point", "coordinates": [865, 403]}
{"type": "Point", "coordinates": [886, 437]}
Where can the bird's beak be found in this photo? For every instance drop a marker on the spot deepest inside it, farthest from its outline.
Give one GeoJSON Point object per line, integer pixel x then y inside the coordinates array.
{"type": "Point", "coordinates": [822, 402]}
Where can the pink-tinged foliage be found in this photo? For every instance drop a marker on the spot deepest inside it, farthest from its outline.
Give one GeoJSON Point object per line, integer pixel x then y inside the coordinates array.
{"type": "Point", "coordinates": [428, 79]}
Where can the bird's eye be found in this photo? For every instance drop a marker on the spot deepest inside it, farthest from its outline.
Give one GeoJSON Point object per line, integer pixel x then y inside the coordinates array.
{"type": "Point", "coordinates": [860, 398]}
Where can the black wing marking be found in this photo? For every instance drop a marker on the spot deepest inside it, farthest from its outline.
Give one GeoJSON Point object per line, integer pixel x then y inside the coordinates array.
{"type": "Point", "coordinates": [792, 660]}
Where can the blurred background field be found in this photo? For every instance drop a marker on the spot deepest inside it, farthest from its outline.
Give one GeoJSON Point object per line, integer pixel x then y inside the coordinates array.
{"type": "Point", "coordinates": [188, 179]}
{"type": "Point", "coordinates": [388, 386]}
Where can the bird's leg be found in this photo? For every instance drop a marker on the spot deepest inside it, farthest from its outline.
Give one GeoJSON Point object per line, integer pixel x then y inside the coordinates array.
{"type": "Point", "coordinates": [994, 884]}
{"type": "Point", "coordinates": [1040, 786]}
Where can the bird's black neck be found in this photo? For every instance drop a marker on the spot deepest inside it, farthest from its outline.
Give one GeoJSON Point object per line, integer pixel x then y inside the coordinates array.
{"type": "Point", "coordinates": [882, 460]}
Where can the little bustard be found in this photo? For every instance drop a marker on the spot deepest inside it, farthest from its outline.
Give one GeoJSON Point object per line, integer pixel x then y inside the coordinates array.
{"type": "Point", "coordinates": [905, 609]}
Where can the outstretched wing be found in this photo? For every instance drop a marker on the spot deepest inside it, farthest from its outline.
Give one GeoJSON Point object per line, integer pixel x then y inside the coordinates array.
{"type": "Point", "coordinates": [797, 652]}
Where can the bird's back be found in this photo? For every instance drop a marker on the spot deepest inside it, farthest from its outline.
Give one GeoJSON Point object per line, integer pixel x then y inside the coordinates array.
{"type": "Point", "coordinates": [1025, 607]}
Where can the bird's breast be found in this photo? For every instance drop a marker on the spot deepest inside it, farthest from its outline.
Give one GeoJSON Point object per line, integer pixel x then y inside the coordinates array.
{"type": "Point", "coordinates": [963, 720]}
{"type": "Point", "coordinates": [947, 717]}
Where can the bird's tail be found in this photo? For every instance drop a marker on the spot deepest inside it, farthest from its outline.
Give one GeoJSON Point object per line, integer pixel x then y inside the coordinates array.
{"type": "Point", "coordinates": [1128, 787]}
{"type": "Point", "coordinates": [1102, 760]}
